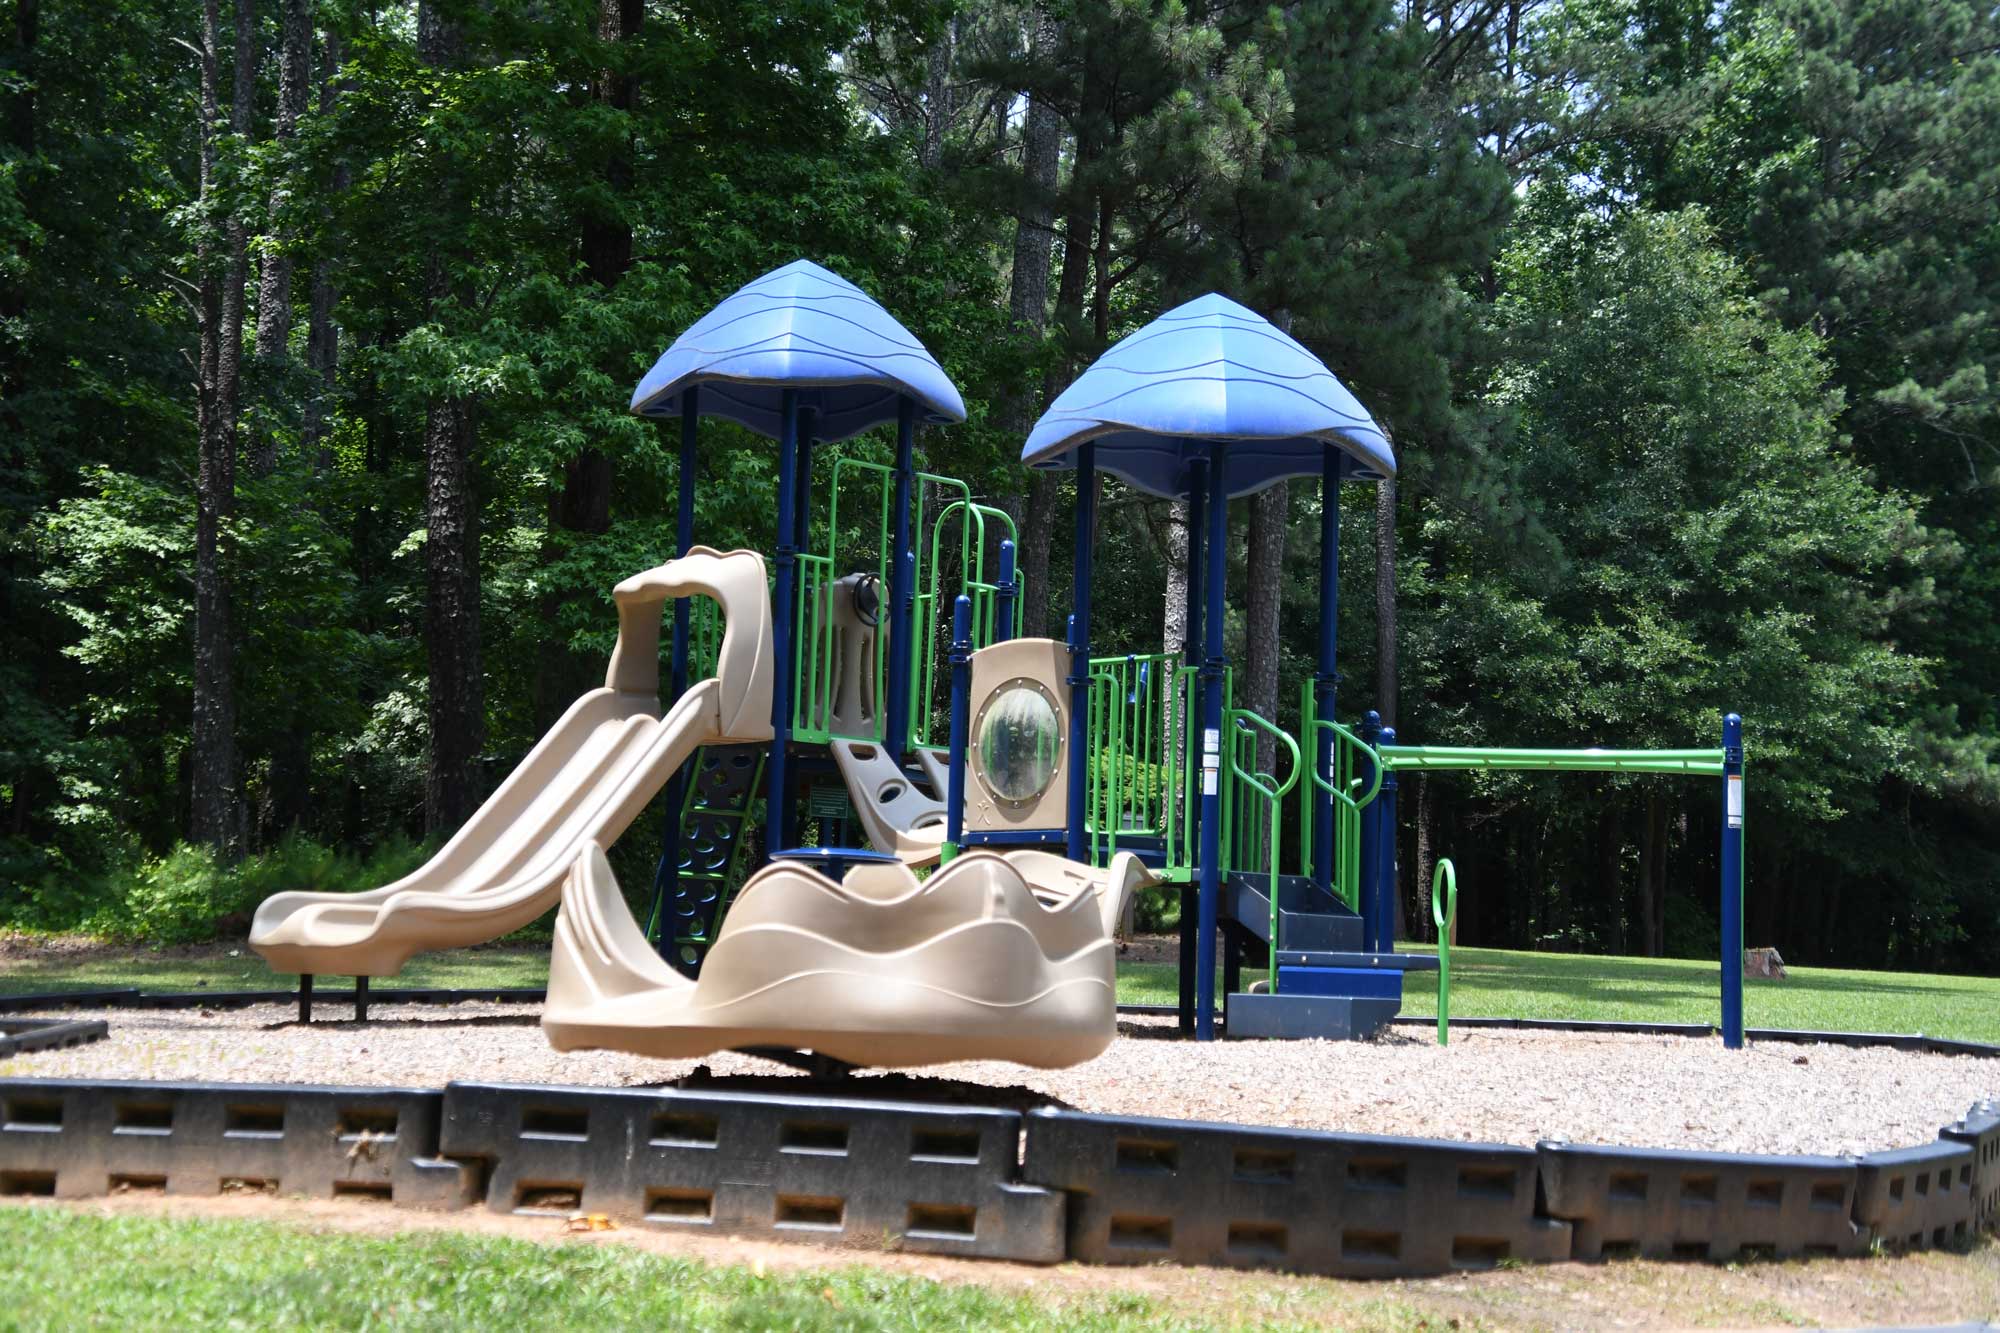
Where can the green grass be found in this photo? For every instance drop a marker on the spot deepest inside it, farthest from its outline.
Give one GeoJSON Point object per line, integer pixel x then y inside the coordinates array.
{"type": "Point", "coordinates": [74, 1269]}
{"type": "Point", "coordinates": [1496, 983]}
{"type": "Point", "coordinates": [1505, 983]}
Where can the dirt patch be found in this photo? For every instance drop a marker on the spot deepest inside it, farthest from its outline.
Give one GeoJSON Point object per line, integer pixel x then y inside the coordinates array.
{"type": "Point", "coordinates": [1915, 1289]}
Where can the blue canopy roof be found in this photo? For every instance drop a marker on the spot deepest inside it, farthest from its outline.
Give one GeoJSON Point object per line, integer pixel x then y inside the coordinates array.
{"type": "Point", "coordinates": [1210, 371]}
{"type": "Point", "coordinates": [800, 327]}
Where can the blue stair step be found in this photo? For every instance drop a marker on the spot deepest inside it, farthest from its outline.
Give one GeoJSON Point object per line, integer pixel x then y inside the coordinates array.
{"type": "Point", "coordinates": [1373, 983]}
{"type": "Point", "coordinates": [1296, 1017]}
{"type": "Point", "coordinates": [1380, 962]}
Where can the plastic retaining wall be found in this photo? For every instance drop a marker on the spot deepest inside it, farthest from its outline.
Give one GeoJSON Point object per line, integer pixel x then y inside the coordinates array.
{"type": "Point", "coordinates": [1037, 1188]}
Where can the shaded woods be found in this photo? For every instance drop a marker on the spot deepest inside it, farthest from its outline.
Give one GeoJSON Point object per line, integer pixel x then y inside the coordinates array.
{"type": "Point", "coordinates": [318, 319]}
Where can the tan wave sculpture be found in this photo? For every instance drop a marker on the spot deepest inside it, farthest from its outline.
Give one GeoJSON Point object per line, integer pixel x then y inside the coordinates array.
{"type": "Point", "coordinates": [581, 785]}
{"type": "Point", "coordinates": [993, 957]}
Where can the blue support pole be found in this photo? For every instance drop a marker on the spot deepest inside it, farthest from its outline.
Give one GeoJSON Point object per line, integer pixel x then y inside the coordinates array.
{"type": "Point", "coordinates": [777, 812]}
{"type": "Point", "coordinates": [1213, 668]}
{"type": "Point", "coordinates": [1326, 682]}
{"type": "Point", "coordinates": [961, 708]}
{"type": "Point", "coordinates": [1007, 595]}
{"type": "Point", "coordinates": [1379, 932]}
{"type": "Point", "coordinates": [1370, 733]}
{"type": "Point", "coordinates": [1191, 644]}
{"type": "Point", "coordinates": [1732, 882]}
{"type": "Point", "coordinates": [902, 590]}
{"type": "Point", "coordinates": [666, 876]}
{"type": "Point", "coordinates": [1079, 652]}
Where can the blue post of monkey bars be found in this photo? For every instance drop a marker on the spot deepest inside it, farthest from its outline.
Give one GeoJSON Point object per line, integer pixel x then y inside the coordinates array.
{"type": "Point", "coordinates": [1732, 882]}
{"type": "Point", "coordinates": [1326, 683]}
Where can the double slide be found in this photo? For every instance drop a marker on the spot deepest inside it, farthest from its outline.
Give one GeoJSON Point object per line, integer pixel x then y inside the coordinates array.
{"type": "Point", "coordinates": [582, 784]}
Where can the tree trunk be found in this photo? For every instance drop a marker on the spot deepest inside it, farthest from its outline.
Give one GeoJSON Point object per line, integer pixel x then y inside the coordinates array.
{"type": "Point", "coordinates": [215, 796]}
{"type": "Point", "coordinates": [1269, 510]}
{"type": "Point", "coordinates": [1385, 601]}
{"type": "Point", "coordinates": [274, 288]}
{"type": "Point", "coordinates": [457, 705]}
{"type": "Point", "coordinates": [1028, 306]}
{"type": "Point", "coordinates": [322, 335]}
{"type": "Point", "coordinates": [937, 95]}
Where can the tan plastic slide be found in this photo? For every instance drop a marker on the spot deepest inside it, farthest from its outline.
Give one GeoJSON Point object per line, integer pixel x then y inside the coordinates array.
{"type": "Point", "coordinates": [991, 958]}
{"type": "Point", "coordinates": [581, 786]}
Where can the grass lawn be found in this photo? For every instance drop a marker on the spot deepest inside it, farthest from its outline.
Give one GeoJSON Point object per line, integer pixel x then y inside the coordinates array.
{"type": "Point", "coordinates": [85, 1266]}
{"type": "Point", "coordinates": [1506, 983]}
{"type": "Point", "coordinates": [136, 1271]}
{"type": "Point", "coordinates": [1496, 983]}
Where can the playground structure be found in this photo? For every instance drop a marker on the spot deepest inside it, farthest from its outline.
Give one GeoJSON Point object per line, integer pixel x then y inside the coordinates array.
{"type": "Point", "coordinates": [832, 696]}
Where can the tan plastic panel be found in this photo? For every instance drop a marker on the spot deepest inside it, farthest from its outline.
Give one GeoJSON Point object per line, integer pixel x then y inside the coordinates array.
{"type": "Point", "coordinates": [991, 958]}
{"type": "Point", "coordinates": [897, 817]}
{"type": "Point", "coordinates": [1046, 662]}
{"type": "Point", "coordinates": [582, 784]}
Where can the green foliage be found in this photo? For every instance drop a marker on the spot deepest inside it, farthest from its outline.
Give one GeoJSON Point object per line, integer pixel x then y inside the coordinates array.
{"type": "Point", "coordinates": [185, 896]}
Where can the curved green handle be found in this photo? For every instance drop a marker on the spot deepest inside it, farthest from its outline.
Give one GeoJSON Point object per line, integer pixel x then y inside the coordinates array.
{"type": "Point", "coordinates": [1444, 911]}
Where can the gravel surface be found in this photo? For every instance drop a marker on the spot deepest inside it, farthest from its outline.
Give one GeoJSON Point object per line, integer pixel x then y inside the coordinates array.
{"type": "Point", "coordinates": [1496, 1086]}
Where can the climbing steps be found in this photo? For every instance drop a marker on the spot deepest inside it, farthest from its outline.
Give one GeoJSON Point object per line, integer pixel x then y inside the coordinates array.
{"type": "Point", "coordinates": [1327, 985]}
{"type": "Point", "coordinates": [720, 799]}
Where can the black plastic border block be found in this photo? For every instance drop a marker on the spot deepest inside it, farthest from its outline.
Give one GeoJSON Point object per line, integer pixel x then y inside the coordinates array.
{"type": "Point", "coordinates": [1668, 1204]}
{"type": "Point", "coordinates": [1350, 1205]}
{"type": "Point", "coordinates": [24, 1036]}
{"type": "Point", "coordinates": [1980, 1130]}
{"type": "Point", "coordinates": [934, 1179]}
{"type": "Point", "coordinates": [1916, 1198]}
{"type": "Point", "coordinates": [79, 1139]}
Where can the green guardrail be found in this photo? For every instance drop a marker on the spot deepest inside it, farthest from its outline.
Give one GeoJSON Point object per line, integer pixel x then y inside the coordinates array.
{"type": "Point", "coordinates": [1435, 758]}
{"type": "Point", "coordinates": [1444, 911]}
{"type": "Point", "coordinates": [1254, 807]}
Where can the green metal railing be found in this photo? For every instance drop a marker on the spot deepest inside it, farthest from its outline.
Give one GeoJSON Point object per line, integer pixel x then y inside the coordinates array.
{"type": "Point", "coordinates": [930, 674]}
{"type": "Point", "coordinates": [1133, 777]}
{"type": "Point", "coordinates": [1444, 911]}
{"type": "Point", "coordinates": [857, 536]}
{"type": "Point", "coordinates": [1352, 783]}
{"type": "Point", "coordinates": [1253, 807]}
{"type": "Point", "coordinates": [1439, 758]}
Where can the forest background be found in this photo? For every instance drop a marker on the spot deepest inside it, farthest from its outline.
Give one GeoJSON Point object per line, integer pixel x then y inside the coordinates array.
{"type": "Point", "coordinates": [318, 319]}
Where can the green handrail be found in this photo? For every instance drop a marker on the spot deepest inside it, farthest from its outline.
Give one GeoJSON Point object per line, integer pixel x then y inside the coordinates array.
{"type": "Point", "coordinates": [1444, 911]}
{"type": "Point", "coordinates": [933, 609]}
{"type": "Point", "coordinates": [1435, 758]}
{"type": "Point", "coordinates": [1356, 765]}
{"type": "Point", "coordinates": [1244, 728]}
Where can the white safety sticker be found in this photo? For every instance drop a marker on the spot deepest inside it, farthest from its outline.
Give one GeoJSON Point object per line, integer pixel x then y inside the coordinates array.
{"type": "Point", "coordinates": [1208, 782]}
{"type": "Point", "coordinates": [1211, 739]}
{"type": "Point", "coordinates": [1734, 800]}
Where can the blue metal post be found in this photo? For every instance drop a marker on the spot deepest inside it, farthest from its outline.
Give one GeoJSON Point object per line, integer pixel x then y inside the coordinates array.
{"type": "Point", "coordinates": [1191, 645]}
{"type": "Point", "coordinates": [1370, 732]}
{"type": "Point", "coordinates": [1079, 656]}
{"type": "Point", "coordinates": [1213, 668]}
{"type": "Point", "coordinates": [1008, 593]}
{"type": "Point", "coordinates": [902, 590]}
{"type": "Point", "coordinates": [1379, 930]}
{"type": "Point", "coordinates": [777, 813]}
{"type": "Point", "coordinates": [961, 708]}
{"type": "Point", "coordinates": [1326, 682]}
{"type": "Point", "coordinates": [666, 876]}
{"type": "Point", "coordinates": [1732, 882]}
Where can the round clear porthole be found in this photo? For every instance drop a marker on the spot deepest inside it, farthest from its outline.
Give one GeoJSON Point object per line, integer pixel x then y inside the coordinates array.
{"type": "Point", "coordinates": [1017, 742]}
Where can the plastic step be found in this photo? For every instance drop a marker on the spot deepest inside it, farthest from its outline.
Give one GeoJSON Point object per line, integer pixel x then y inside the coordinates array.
{"type": "Point", "coordinates": [1361, 983]}
{"type": "Point", "coordinates": [1298, 1017]}
{"type": "Point", "coordinates": [1383, 962]}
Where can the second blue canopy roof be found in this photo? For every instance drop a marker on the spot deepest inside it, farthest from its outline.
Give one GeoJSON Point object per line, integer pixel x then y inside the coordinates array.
{"type": "Point", "coordinates": [805, 329]}
{"type": "Point", "coordinates": [1210, 371]}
